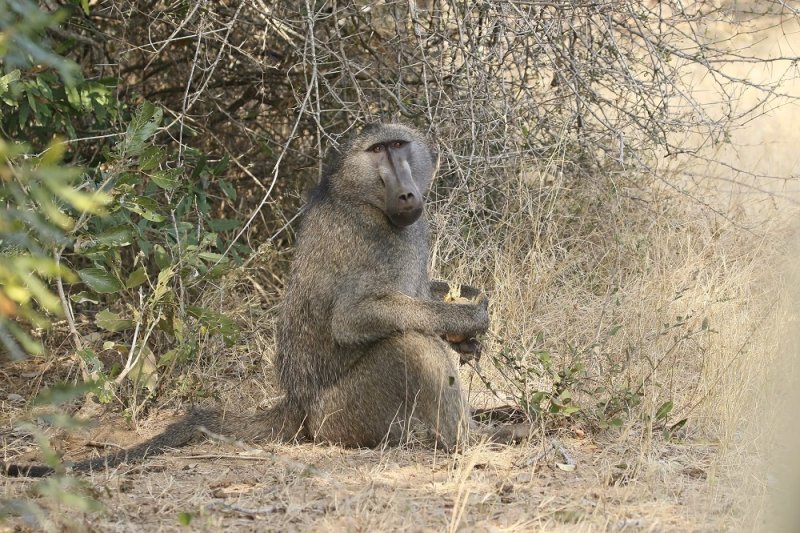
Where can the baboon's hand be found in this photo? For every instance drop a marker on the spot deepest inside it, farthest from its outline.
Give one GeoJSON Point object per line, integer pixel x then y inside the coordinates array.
{"type": "Point", "coordinates": [477, 320]}
{"type": "Point", "coordinates": [468, 350]}
{"type": "Point", "coordinates": [481, 316]}
{"type": "Point", "coordinates": [465, 343]}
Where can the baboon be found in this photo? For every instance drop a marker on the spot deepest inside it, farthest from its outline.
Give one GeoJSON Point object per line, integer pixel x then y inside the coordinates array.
{"type": "Point", "coordinates": [360, 354]}
{"type": "Point", "coordinates": [359, 348]}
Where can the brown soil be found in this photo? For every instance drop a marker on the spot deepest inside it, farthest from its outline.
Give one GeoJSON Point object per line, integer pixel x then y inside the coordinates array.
{"type": "Point", "coordinates": [566, 481]}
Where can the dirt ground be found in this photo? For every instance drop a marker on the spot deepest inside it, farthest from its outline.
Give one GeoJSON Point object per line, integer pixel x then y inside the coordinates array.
{"type": "Point", "coordinates": [564, 482]}
{"type": "Point", "coordinates": [568, 480]}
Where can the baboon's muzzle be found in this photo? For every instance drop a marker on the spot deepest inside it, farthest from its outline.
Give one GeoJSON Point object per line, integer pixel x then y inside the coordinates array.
{"type": "Point", "coordinates": [406, 216]}
{"type": "Point", "coordinates": [403, 198]}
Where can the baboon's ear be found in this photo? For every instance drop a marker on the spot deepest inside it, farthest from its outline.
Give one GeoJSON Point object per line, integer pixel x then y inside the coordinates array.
{"type": "Point", "coordinates": [332, 161]}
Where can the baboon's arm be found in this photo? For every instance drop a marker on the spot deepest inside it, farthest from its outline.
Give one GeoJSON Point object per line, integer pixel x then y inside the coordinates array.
{"type": "Point", "coordinates": [361, 319]}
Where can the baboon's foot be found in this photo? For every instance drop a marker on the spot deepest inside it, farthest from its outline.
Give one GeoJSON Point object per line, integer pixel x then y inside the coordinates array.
{"type": "Point", "coordinates": [506, 414]}
{"type": "Point", "coordinates": [510, 434]}
{"type": "Point", "coordinates": [513, 424]}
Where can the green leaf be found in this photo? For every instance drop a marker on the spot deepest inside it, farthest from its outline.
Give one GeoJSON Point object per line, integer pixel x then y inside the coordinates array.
{"type": "Point", "coordinates": [213, 257]}
{"type": "Point", "coordinates": [88, 202]}
{"type": "Point", "coordinates": [40, 265]}
{"type": "Point", "coordinates": [184, 518]}
{"type": "Point", "coordinates": [136, 278]}
{"type": "Point", "coordinates": [116, 236]}
{"type": "Point", "coordinates": [84, 296]}
{"type": "Point", "coordinates": [99, 280]}
{"type": "Point", "coordinates": [31, 346]}
{"type": "Point", "coordinates": [146, 207]}
{"type": "Point", "coordinates": [614, 329]}
{"type": "Point", "coordinates": [220, 167]}
{"type": "Point", "coordinates": [73, 97]}
{"type": "Point", "coordinates": [228, 189]}
{"type": "Point", "coordinates": [222, 224]}
{"type": "Point", "coordinates": [142, 127]}
{"type": "Point", "coordinates": [150, 159]}
{"type": "Point", "coordinates": [569, 410]}
{"type": "Point", "coordinates": [43, 83]}
{"type": "Point", "coordinates": [63, 392]}
{"type": "Point", "coordinates": [112, 321]}
{"type": "Point", "coordinates": [7, 80]}
{"type": "Point", "coordinates": [24, 112]}
{"type": "Point", "coordinates": [32, 103]}
{"type": "Point", "coordinates": [168, 357]}
{"type": "Point", "coordinates": [200, 165]}
{"type": "Point", "coordinates": [162, 258]}
{"type": "Point", "coordinates": [50, 209]}
{"type": "Point", "coordinates": [201, 201]}
{"type": "Point", "coordinates": [85, 7]}
{"type": "Point", "coordinates": [664, 410]}
{"type": "Point", "coordinates": [216, 323]}
{"type": "Point", "coordinates": [167, 179]}
{"type": "Point", "coordinates": [93, 363]}
{"type": "Point", "coordinates": [42, 293]}
{"type": "Point", "coordinates": [678, 425]}
{"type": "Point", "coordinates": [68, 496]}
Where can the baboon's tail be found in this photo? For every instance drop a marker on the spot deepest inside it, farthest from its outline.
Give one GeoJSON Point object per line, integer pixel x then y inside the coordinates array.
{"type": "Point", "coordinates": [279, 423]}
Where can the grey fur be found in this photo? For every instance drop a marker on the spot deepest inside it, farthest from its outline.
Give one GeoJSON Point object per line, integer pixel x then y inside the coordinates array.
{"type": "Point", "coordinates": [359, 348]}
{"type": "Point", "coordinates": [360, 353]}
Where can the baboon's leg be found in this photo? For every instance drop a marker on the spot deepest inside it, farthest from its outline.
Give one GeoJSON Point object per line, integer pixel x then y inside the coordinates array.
{"type": "Point", "coordinates": [440, 403]}
{"type": "Point", "coordinates": [404, 378]}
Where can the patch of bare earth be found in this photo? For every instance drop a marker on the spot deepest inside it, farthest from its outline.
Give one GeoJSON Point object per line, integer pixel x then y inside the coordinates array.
{"type": "Point", "coordinates": [566, 481]}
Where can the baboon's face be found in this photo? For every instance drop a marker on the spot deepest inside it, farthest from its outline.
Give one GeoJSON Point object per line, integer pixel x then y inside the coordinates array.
{"type": "Point", "coordinates": [397, 166]}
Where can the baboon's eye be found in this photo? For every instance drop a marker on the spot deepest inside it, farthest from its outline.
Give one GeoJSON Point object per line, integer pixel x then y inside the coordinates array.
{"type": "Point", "coordinates": [376, 148]}
{"type": "Point", "coordinates": [398, 144]}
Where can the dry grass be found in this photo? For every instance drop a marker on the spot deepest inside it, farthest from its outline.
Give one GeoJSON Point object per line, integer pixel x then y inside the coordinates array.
{"type": "Point", "coordinates": [328, 488]}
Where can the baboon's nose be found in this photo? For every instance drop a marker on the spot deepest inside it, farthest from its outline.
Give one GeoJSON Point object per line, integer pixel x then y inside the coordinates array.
{"type": "Point", "coordinates": [406, 209]}
{"type": "Point", "coordinates": [407, 202]}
